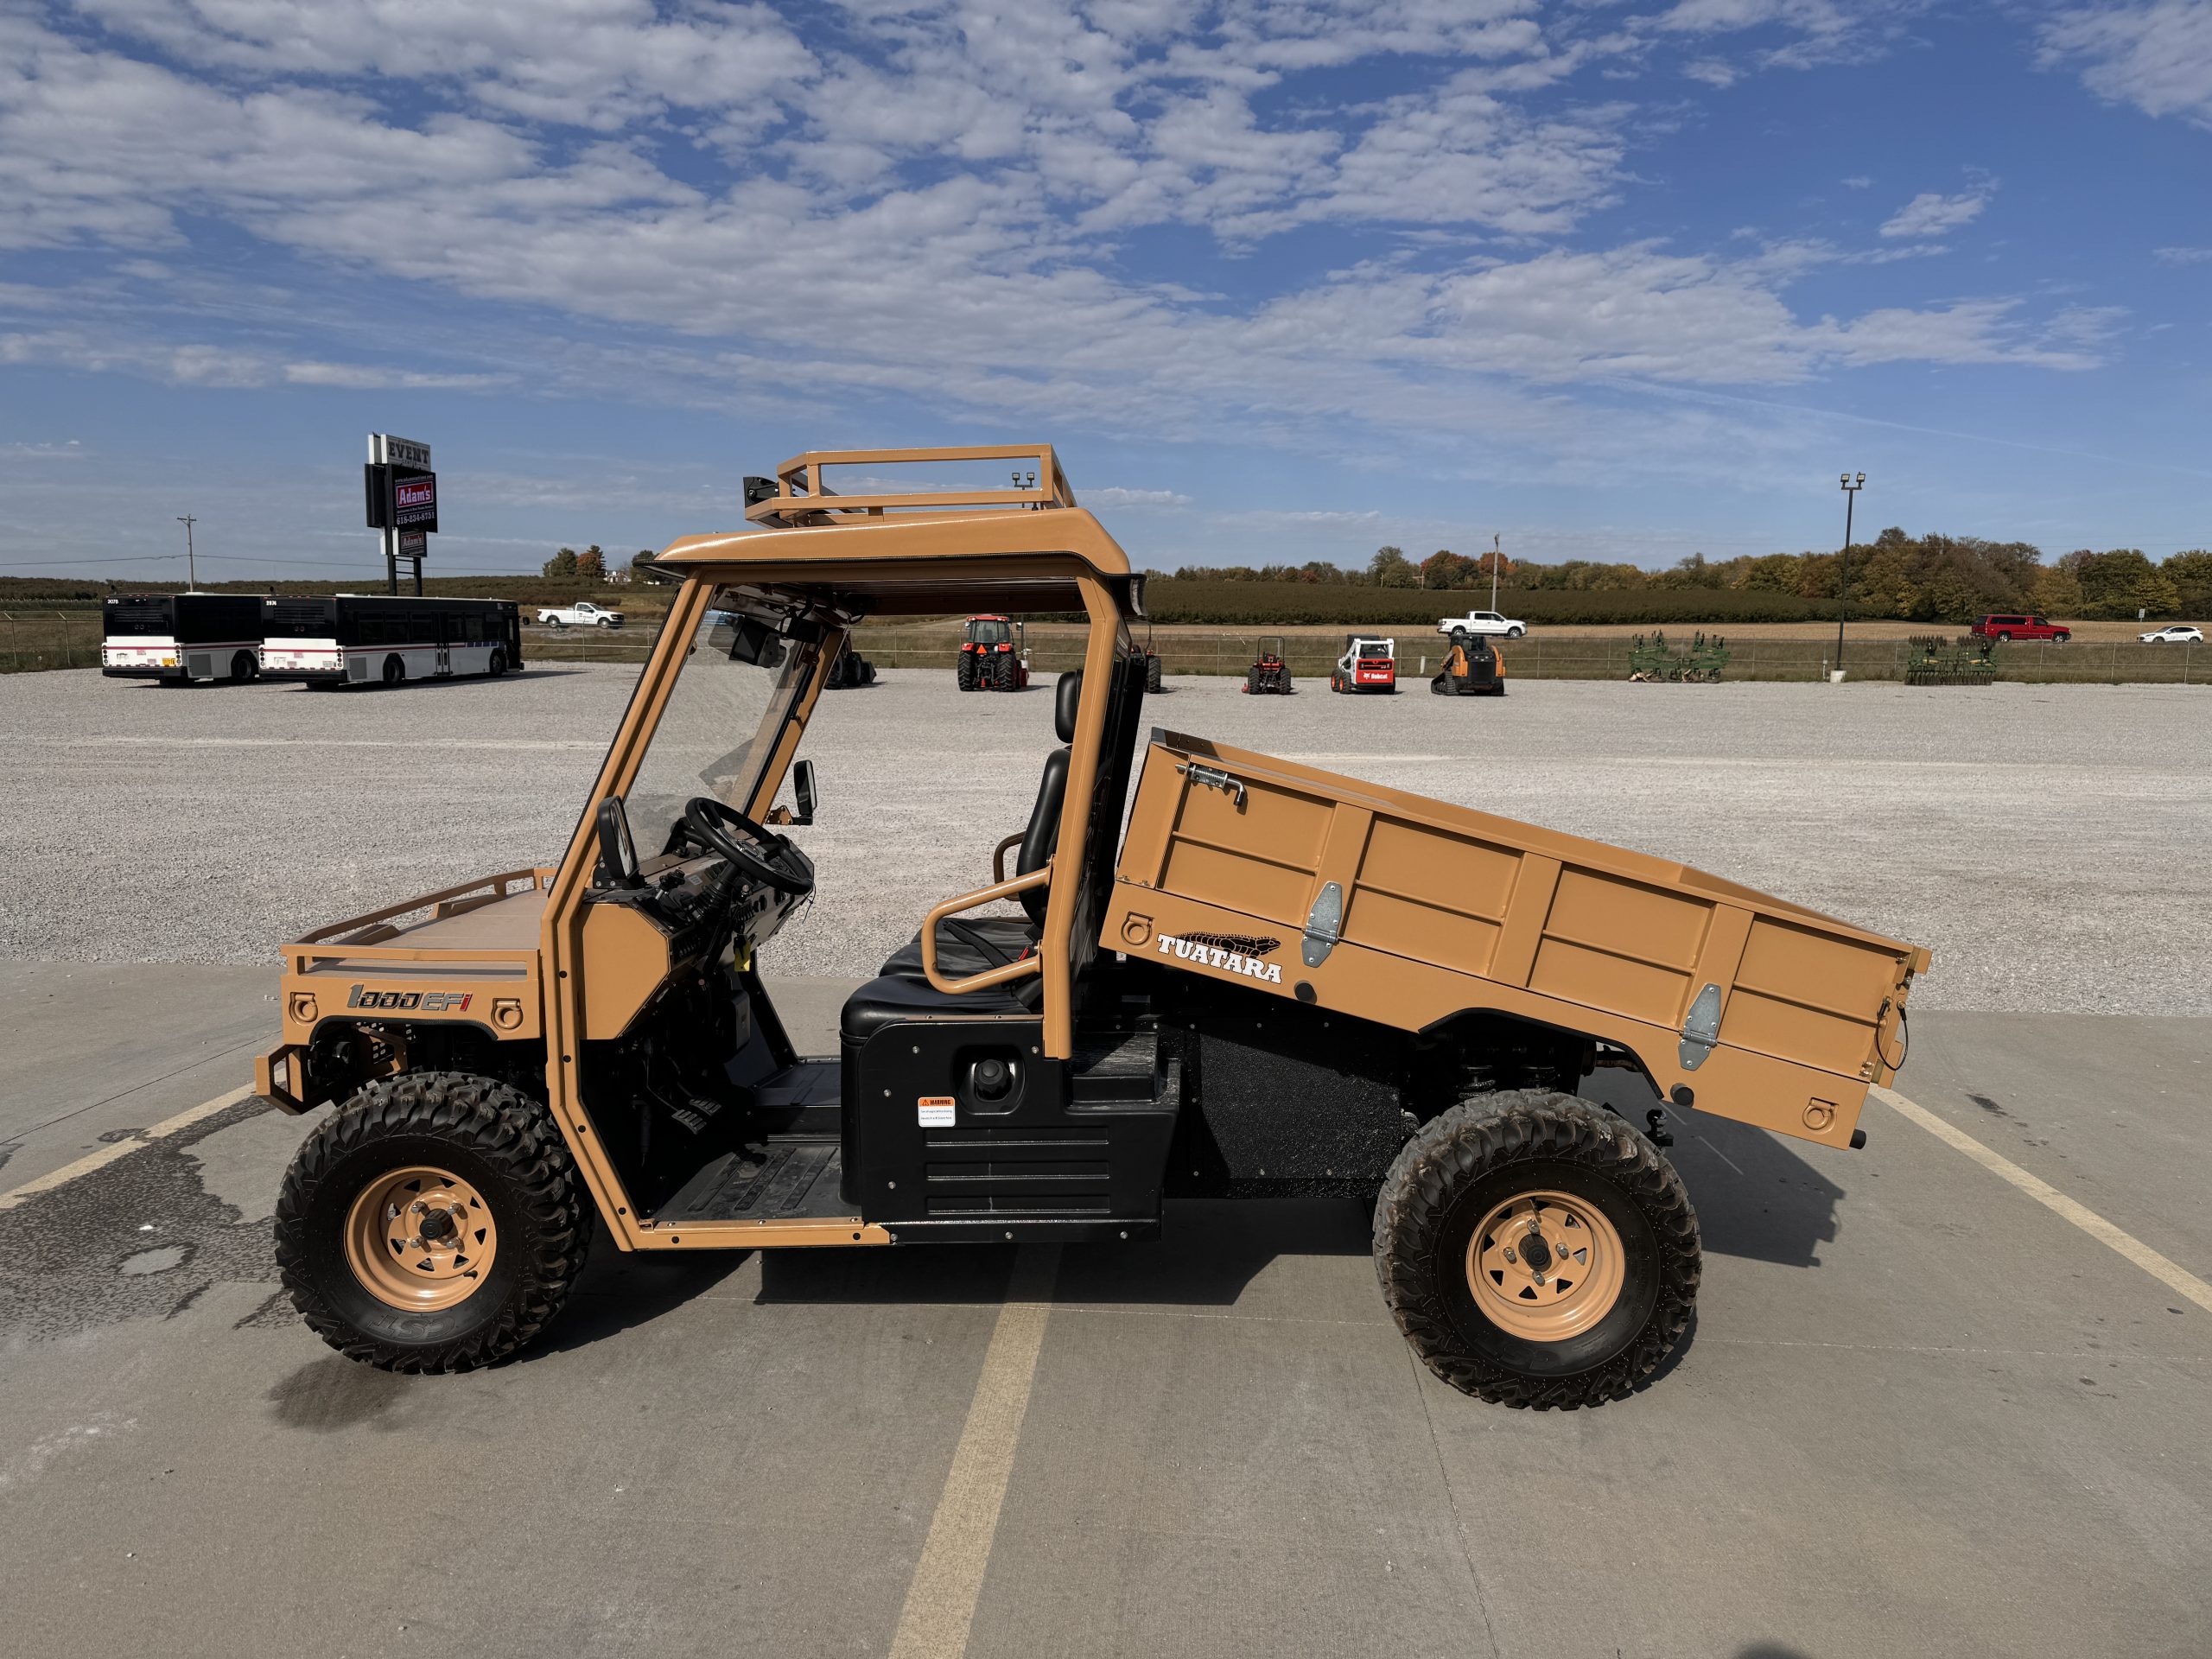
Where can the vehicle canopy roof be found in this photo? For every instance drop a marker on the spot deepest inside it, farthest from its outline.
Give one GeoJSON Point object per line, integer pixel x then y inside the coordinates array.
{"type": "Point", "coordinates": [918, 551]}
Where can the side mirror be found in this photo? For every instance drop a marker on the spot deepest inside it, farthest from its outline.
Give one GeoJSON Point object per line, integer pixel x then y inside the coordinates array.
{"type": "Point", "coordinates": [618, 854]}
{"type": "Point", "coordinates": [802, 790]}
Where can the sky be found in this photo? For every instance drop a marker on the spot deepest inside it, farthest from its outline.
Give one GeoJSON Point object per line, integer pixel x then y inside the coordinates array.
{"type": "Point", "coordinates": [1282, 280]}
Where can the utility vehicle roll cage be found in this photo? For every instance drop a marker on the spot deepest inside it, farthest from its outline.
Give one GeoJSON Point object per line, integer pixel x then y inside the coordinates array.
{"type": "Point", "coordinates": [898, 552]}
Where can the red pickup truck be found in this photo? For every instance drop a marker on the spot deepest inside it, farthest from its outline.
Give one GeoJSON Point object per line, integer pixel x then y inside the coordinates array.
{"type": "Point", "coordinates": [2008, 628]}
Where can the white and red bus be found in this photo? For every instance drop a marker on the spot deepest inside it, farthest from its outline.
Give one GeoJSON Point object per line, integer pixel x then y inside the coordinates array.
{"type": "Point", "coordinates": [181, 637]}
{"type": "Point", "coordinates": [383, 640]}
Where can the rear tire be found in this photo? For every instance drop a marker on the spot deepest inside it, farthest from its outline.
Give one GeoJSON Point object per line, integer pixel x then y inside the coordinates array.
{"type": "Point", "coordinates": [1006, 672]}
{"type": "Point", "coordinates": [1513, 1328]}
{"type": "Point", "coordinates": [499, 664]}
{"type": "Point", "coordinates": [963, 671]}
{"type": "Point", "coordinates": [395, 671]}
{"type": "Point", "coordinates": [449, 1134]}
{"type": "Point", "coordinates": [244, 666]}
{"type": "Point", "coordinates": [1152, 674]}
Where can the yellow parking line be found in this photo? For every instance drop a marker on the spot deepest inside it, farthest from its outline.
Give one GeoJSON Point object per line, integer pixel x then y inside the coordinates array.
{"type": "Point", "coordinates": [115, 1149]}
{"type": "Point", "coordinates": [2174, 1276]}
{"type": "Point", "coordinates": [941, 1600]}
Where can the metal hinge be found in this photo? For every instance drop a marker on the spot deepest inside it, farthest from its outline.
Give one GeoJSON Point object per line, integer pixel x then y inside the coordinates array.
{"type": "Point", "coordinates": [1700, 1028]}
{"type": "Point", "coordinates": [1324, 925]}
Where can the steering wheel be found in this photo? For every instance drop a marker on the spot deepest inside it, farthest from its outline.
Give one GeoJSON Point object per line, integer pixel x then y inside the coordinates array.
{"type": "Point", "coordinates": [766, 857]}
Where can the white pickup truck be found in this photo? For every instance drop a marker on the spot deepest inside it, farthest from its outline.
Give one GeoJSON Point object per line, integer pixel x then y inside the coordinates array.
{"type": "Point", "coordinates": [582, 614]}
{"type": "Point", "coordinates": [1483, 622]}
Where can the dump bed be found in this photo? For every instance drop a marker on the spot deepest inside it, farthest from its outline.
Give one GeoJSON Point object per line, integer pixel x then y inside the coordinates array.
{"type": "Point", "coordinates": [1405, 911]}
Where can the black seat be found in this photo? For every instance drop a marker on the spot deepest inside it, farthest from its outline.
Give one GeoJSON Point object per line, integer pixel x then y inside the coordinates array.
{"type": "Point", "coordinates": [895, 999]}
{"type": "Point", "coordinates": [968, 945]}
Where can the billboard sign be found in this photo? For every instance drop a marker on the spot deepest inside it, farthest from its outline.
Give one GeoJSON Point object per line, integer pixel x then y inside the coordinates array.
{"type": "Point", "coordinates": [414, 498]}
{"type": "Point", "coordinates": [414, 543]}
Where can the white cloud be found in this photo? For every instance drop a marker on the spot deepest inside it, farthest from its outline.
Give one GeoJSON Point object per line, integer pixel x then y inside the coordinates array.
{"type": "Point", "coordinates": [366, 377]}
{"type": "Point", "coordinates": [1115, 495]}
{"type": "Point", "coordinates": [1931, 214]}
{"type": "Point", "coordinates": [1858, 182]}
{"type": "Point", "coordinates": [2156, 56]}
{"type": "Point", "coordinates": [929, 219]}
{"type": "Point", "coordinates": [2183, 256]}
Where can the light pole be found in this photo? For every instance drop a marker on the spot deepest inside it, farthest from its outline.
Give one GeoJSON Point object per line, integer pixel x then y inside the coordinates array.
{"type": "Point", "coordinates": [191, 570]}
{"type": "Point", "coordinates": [1496, 557]}
{"type": "Point", "coordinates": [1851, 488]}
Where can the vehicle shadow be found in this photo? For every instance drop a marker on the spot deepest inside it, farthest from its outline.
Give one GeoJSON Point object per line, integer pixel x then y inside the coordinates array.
{"type": "Point", "coordinates": [616, 1292]}
{"type": "Point", "coordinates": [1756, 1196]}
{"type": "Point", "coordinates": [1209, 1253]}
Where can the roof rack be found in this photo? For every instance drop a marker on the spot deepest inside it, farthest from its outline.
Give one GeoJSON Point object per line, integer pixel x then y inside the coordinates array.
{"type": "Point", "coordinates": [797, 497]}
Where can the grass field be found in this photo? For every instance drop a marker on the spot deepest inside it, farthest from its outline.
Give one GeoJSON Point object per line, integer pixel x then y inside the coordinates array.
{"type": "Point", "coordinates": [2102, 652]}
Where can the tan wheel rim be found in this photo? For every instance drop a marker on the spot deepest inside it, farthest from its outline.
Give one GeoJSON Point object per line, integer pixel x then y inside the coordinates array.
{"type": "Point", "coordinates": [1545, 1266]}
{"type": "Point", "coordinates": [420, 1239]}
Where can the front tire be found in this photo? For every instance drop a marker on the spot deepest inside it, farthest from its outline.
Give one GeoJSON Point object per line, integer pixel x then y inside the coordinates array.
{"type": "Point", "coordinates": [436, 1222]}
{"type": "Point", "coordinates": [395, 671]}
{"type": "Point", "coordinates": [1536, 1251]}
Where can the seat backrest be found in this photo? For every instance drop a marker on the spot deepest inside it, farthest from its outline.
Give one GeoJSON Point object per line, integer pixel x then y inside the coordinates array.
{"type": "Point", "coordinates": [1042, 834]}
{"type": "Point", "coordinates": [1041, 838]}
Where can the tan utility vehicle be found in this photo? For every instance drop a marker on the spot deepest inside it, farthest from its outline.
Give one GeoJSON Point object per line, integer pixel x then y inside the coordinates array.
{"type": "Point", "coordinates": [1283, 981]}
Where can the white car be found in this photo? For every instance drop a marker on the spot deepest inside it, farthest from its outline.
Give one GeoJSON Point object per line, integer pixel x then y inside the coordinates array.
{"type": "Point", "coordinates": [582, 614]}
{"type": "Point", "coordinates": [1483, 622]}
{"type": "Point", "coordinates": [2179, 633]}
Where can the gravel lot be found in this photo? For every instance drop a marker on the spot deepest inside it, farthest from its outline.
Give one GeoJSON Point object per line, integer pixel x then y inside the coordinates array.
{"type": "Point", "coordinates": [2047, 842]}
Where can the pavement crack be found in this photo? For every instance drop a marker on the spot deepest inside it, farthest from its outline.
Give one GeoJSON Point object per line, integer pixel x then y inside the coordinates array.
{"type": "Point", "coordinates": [1452, 1502]}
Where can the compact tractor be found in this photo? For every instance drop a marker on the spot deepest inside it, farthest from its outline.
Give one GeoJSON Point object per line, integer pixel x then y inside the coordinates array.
{"type": "Point", "coordinates": [1367, 665]}
{"type": "Point", "coordinates": [994, 656]}
{"type": "Point", "coordinates": [1225, 975]}
{"type": "Point", "coordinates": [1268, 674]}
{"type": "Point", "coordinates": [851, 670]}
{"type": "Point", "coordinates": [1472, 668]}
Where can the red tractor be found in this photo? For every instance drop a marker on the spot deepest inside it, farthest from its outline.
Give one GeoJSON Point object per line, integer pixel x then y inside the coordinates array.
{"type": "Point", "coordinates": [992, 656]}
{"type": "Point", "coordinates": [1152, 669]}
{"type": "Point", "coordinates": [1269, 673]}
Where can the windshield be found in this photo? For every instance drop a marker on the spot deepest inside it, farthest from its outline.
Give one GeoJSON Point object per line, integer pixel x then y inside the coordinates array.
{"type": "Point", "coordinates": [719, 724]}
{"type": "Point", "coordinates": [990, 633]}
{"type": "Point", "coordinates": [129, 616]}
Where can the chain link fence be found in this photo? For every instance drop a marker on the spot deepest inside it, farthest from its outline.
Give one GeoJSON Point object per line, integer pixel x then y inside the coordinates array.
{"type": "Point", "coordinates": [1056, 647]}
{"type": "Point", "coordinates": [33, 640]}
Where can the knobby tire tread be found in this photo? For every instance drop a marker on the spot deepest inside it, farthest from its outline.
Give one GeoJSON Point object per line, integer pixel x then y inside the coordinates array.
{"type": "Point", "coordinates": [1490, 1131]}
{"type": "Point", "coordinates": [508, 1130]}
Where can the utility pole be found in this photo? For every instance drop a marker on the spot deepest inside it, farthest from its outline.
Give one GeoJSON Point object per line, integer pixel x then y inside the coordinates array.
{"type": "Point", "coordinates": [1497, 558]}
{"type": "Point", "coordinates": [1843, 563]}
{"type": "Point", "coordinates": [191, 570]}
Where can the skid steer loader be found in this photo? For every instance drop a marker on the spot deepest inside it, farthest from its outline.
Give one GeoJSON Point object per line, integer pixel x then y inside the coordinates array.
{"type": "Point", "coordinates": [1275, 980]}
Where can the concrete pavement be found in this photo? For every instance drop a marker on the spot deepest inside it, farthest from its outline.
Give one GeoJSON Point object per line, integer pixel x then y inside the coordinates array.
{"type": "Point", "coordinates": [1918, 1413]}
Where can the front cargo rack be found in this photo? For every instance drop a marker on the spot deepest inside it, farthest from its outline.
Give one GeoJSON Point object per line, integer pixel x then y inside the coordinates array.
{"type": "Point", "coordinates": [799, 497]}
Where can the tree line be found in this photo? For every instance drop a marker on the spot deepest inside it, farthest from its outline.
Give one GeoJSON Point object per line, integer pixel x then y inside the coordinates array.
{"type": "Point", "coordinates": [1932, 578]}
{"type": "Point", "coordinates": [591, 565]}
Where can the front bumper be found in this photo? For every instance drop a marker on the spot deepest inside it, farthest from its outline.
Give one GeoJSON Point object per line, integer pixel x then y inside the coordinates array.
{"type": "Point", "coordinates": [280, 1077]}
